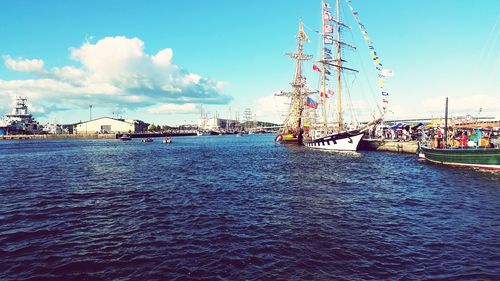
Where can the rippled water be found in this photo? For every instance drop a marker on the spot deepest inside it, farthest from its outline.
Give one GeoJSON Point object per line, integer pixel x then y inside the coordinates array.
{"type": "Point", "coordinates": [239, 209]}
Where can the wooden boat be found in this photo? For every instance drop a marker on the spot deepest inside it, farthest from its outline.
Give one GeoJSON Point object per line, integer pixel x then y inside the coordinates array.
{"type": "Point", "coordinates": [291, 133]}
{"type": "Point", "coordinates": [477, 157]}
{"type": "Point", "coordinates": [484, 158]}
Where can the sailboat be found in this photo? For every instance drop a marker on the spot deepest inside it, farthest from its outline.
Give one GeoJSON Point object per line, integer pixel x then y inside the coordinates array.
{"type": "Point", "coordinates": [329, 135]}
{"type": "Point", "coordinates": [292, 130]}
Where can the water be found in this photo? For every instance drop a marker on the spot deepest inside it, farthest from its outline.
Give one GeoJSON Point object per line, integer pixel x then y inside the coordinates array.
{"type": "Point", "coordinates": [240, 208]}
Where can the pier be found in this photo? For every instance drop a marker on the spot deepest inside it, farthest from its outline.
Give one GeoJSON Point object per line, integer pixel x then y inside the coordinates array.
{"type": "Point", "coordinates": [389, 145]}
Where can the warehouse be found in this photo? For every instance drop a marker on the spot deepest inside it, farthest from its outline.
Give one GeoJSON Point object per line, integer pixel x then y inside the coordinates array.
{"type": "Point", "coordinates": [107, 125]}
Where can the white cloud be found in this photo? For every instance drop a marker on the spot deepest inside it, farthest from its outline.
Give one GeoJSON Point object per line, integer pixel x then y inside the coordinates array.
{"type": "Point", "coordinates": [115, 72]}
{"type": "Point", "coordinates": [272, 108]}
{"type": "Point", "coordinates": [23, 65]}
{"type": "Point", "coordinates": [174, 108]}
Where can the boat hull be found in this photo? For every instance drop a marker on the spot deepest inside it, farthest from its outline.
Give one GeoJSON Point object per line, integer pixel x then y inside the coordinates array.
{"type": "Point", "coordinates": [369, 144]}
{"type": "Point", "coordinates": [484, 158]}
{"type": "Point", "coordinates": [287, 139]}
{"type": "Point", "coordinates": [341, 142]}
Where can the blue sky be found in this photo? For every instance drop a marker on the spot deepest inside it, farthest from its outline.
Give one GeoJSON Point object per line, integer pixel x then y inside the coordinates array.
{"type": "Point", "coordinates": [231, 54]}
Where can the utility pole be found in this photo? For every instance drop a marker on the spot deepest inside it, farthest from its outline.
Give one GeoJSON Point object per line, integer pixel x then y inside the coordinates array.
{"type": "Point", "coordinates": [90, 112]}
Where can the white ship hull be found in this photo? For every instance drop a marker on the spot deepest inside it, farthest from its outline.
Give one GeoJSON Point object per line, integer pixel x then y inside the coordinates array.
{"type": "Point", "coordinates": [342, 142]}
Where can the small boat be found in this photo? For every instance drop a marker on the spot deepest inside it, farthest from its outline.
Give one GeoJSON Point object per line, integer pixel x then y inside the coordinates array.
{"type": "Point", "coordinates": [483, 158]}
{"type": "Point", "coordinates": [148, 140]}
{"type": "Point", "coordinates": [167, 140]}
{"type": "Point", "coordinates": [125, 138]}
{"type": "Point", "coordinates": [466, 155]}
{"type": "Point", "coordinates": [201, 133]}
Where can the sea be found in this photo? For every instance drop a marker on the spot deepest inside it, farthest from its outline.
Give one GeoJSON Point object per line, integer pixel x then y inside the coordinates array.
{"type": "Point", "coordinates": [240, 208]}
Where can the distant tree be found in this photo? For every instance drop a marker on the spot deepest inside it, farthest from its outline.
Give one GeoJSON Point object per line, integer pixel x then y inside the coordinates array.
{"type": "Point", "coordinates": [152, 128]}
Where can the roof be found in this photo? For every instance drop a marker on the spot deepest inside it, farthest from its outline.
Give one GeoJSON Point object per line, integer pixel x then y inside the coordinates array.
{"type": "Point", "coordinates": [117, 119]}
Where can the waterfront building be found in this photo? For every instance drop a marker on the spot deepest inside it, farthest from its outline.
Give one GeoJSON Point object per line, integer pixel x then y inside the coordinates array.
{"type": "Point", "coordinates": [219, 125]}
{"type": "Point", "coordinates": [107, 125]}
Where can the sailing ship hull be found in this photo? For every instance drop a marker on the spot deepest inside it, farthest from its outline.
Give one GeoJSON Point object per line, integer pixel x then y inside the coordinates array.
{"type": "Point", "coordinates": [370, 144]}
{"type": "Point", "coordinates": [484, 158]}
{"type": "Point", "coordinates": [343, 142]}
{"type": "Point", "coordinates": [287, 139]}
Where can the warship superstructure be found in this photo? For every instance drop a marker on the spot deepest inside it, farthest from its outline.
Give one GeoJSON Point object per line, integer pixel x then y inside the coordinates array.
{"type": "Point", "coordinates": [19, 121]}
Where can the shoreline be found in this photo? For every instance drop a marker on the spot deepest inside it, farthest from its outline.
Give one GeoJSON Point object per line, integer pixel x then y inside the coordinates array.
{"type": "Point", "coordinates": [91, 136]}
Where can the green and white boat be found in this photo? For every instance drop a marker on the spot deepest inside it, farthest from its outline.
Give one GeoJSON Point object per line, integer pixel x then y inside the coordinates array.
{"type": "Point", "coordinates": [477, 157]}
{"type": "Point", "coordinates": [484, 158]}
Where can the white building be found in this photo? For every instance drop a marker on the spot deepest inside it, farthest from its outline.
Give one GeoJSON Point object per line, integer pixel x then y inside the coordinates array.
{"type": "Point", "coordinates": [218, 124]}
{"type": "Point", "coordinates": [107, 125]}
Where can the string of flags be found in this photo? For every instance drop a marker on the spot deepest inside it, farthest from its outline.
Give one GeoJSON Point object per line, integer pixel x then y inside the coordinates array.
{"type": "Point", "coordinates": [327, 40]}
{"type": "Point", "coordinates": [382, 72]}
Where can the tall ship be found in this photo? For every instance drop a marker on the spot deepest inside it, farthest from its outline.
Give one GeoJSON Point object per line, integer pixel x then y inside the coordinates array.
{"type": "Point", "coordinates": [318, 116]}
{"type": "Point", "coordinates": [336, 134]}
{"type": "Point", "coordinates": [292, 130]}
{"type": "Point", "coordinates": [19, 121]}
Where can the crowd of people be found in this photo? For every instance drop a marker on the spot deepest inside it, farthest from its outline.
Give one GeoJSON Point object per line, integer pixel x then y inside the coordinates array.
{"type": "Point", "coordinates": [462, 138]}
{"type": "Point", "coordinates": [434, 136]}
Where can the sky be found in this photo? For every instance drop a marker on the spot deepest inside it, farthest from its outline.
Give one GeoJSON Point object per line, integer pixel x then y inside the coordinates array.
{"type": "Point", "coordinates": [164, 61]}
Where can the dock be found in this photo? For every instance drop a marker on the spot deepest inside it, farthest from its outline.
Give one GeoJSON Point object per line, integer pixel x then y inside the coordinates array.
{"type": "Point", "coordinates": [389, 145]}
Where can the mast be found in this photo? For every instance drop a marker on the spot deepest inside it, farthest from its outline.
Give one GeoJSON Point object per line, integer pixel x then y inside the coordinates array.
{"type": "Point", "coordinates": [338, 61]}
{"type": "Point", "coordinates": [299, 89]}
{"type": "Point", "coordinates": [446, 123]}
{"type": "Point", "coordinates": [323, 69]}
{"type": "Point", "coordinates": [339, 71]}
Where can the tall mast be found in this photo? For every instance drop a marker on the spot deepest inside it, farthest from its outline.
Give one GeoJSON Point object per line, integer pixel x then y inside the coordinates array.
{"type": "Point", "coordinates": [299, 89]}
{"type": "Point", "coordinates": [339, 71]}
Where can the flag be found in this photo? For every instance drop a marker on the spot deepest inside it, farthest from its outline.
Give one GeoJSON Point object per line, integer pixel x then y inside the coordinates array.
{"type": "Point", "coordinates": [385, 101]}
{"type": "Point", "coordinates": [328, 28]}
{"type": "Point", "coordinates": [329, 93]}
{"type": "Point", "coordinates": [328, 51]}
{"type": "Point", "coordinates": [328, 39]}
{"type": "Point", "coordinates": [326, 5]}
{"type": "Point", "coordinates": [311, 103]}
{"type": "Point", "coordinates": [385, 93]}
{"type": "Point", "coordinates": [328, 57]}
{"type": "Point", "coordinates": [316, 68]}
{"type": "Point", "coordinates": [387, 72]}
{"type": "Point", "coordinates": [327, 16]}
{"type": "Point", "coordinates": [327, 72]}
